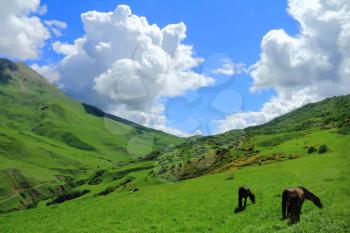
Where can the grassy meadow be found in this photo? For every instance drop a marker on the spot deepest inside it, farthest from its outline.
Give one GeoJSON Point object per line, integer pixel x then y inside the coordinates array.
{"type": "Point", "coordinates": [206, 204]}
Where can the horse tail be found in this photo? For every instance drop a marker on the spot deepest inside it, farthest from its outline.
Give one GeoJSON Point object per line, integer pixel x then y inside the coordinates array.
{"type": "Point", "coordinates": [312, 197]}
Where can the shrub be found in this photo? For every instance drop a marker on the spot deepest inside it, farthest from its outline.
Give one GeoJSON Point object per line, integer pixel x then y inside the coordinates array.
{"type": "Point", "coordinates": [294, 156]}
{"type": "Point", "coordinates": [67, 197]}
{"type": "Point", "coordinates": [323, 149]}
{"type": "Point", "coordinates": [127, 180]}
{"type": "Point", "coordinates": [152, 156]}
{"type": "Point", "coordinates": [311, 150]}
{"type": "Point", "coordinates": [97, 178]}
{"type": "Point", "coordinates": [106, 191]}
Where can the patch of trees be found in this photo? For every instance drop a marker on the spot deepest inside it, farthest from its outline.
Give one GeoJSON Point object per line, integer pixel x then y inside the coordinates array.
{"type": "Point", "coordinates": [96, 179]}
{"type": "Point", "coordinates": [152, 156]}
{"type": "Point", "coordinates": [68, 196]}
{"type": "Point", "coordinates": [109, 190]}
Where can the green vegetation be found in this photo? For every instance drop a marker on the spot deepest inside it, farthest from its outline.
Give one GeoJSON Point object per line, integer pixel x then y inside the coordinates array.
{"type": "Point", "coordinates": [206, 204]}
{"type": "Point", "coordinates": [47, 138]}
{"type": "Point", "coordinates": [287, 137]}
{"type": "Point", "coordinates": [68, 196]}
{"type": "Point", "coordinates": [75, 168]}
{"type": "Point", "coordinates": [323, 149]}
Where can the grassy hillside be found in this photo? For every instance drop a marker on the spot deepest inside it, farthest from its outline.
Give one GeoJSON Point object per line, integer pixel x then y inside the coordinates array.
{"type": "Point", "coordinates": [206, 204]}
{"type": "Point", "coordinates": [287, 137]}
{"type": "Point", "coordinates": [46, 138]}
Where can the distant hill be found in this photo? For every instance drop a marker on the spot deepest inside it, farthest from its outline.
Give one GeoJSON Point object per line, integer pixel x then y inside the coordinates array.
{"type": "Point", "coordinates": [46, 136]}
{"type": "Point", "coordinates": [261, 144]}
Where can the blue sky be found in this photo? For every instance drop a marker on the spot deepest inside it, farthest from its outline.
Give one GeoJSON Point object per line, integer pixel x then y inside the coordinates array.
{"type": "Point", "coordinates": [215, 29]}
{"type": "Point", "coordinates": [219, 31]}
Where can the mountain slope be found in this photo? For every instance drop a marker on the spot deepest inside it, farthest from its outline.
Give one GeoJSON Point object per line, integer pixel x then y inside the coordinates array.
{"type": "Point", "coordinates": [46, 136]}
{"type": "Point", "coordinates": [273, 141]}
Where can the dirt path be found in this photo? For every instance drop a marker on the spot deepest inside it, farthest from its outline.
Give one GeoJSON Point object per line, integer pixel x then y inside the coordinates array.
{"type": "Point", "coordinates": [20, 190]}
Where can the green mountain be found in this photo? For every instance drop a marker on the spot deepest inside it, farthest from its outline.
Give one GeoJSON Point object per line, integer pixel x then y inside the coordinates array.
{"type": "Point", "coordinates": [47, 138]}
{"type": "Point", "coordinates": [286, 137]}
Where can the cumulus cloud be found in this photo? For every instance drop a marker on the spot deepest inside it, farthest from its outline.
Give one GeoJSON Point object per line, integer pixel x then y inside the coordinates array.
{"type": "Point", "coordinates": [229, 68]}
{"type": "Point", "coordinates": [21, 34]}
{"type": "Point", "coordinates": [66, 49]}
{"type": "Point", "coordinates": [125, 65]}
{"type": "Point", "coordinates": [308, 67]}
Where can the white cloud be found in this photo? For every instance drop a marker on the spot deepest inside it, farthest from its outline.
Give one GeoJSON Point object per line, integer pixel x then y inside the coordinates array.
{"type": "Point", "coordinates": [308, 67]}
{"type": "Point", "coordinates": [47, 71]}
{"type": "Point", "coordinates": [21, 34]}
{"type": "Point", "coordinates": [66, 49]}
{"type": "Point", "coordinates": [56, 23]}
{"type": "Point", "coordinates": [125, 65]}
{"type": "Point", "coordinates": [273, 108]}
{"type": "Point", "coordinates": [56, 26]}
{"type": "Point", "coordinates": [229, 68]}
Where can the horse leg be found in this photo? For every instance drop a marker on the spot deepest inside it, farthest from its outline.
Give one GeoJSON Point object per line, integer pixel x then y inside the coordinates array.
{"type": "Point", "coordinates": [284, 205]}
{"type": "Point", "coordinates": [240, 202]}
{"type": "Point", "coordinates": [245, 202]}
{"type": "Point", "coordinates": [289, 209]}
{"type": "Point", "coordinates": [299, 206]}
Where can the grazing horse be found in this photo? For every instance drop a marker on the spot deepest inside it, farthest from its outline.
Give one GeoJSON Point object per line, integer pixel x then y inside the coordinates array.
{"type": "Point", "coordinates": [292, 202]}
{"type": "Point", "coordinates": [244, 192]}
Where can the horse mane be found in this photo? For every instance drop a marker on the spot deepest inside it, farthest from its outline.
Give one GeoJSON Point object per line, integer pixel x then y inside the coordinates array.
{"type": "Point", "coordinates": [312, 197]}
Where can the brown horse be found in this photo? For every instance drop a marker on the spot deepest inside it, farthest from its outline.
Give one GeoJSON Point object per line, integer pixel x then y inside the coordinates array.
{"type": "Point", "coordinates": [244, 192]}
{"type": "Point", "coordinates": [292, 202]}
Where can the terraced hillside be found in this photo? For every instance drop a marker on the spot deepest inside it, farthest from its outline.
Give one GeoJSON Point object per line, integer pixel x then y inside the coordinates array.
{"type": "Point", "coordinates": [47, 139]}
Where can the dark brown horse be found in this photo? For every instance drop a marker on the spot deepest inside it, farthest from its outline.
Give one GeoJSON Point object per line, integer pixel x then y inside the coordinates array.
{"type": "Point", "coordinates": [293, 200]}
{"type": "Point", "coordinates": [244, 192]}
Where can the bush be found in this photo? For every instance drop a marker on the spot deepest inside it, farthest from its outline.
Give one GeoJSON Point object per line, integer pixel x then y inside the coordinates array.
{"type": "Point", "coordinates": [106, 191]}
{"type": "Point", "coordinates": [323, 149]}
{"type": "Point", "coordinates": [294, 156]}
{"type": "Point", "coordinates": [127, 180]}
{"type": "Point", "coordinates": [311, 150]}
{"type": "Point", "coordinates": [67, 197]}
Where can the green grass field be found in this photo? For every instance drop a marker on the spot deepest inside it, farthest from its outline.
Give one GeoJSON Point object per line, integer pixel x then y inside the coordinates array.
{"type": "Point", "coordinates": [206, 204]}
